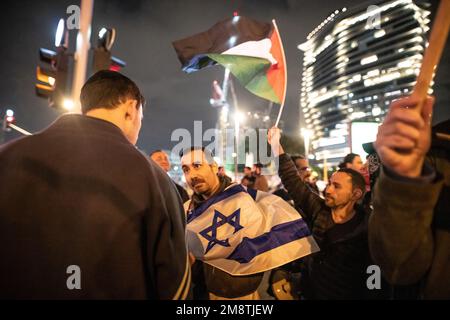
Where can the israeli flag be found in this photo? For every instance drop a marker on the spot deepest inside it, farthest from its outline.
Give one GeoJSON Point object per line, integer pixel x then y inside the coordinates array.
{"type": "Point", "coordinates": [245, 232]}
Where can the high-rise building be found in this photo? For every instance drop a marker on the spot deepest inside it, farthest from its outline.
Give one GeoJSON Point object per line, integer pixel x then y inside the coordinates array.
{"type": "Point", "coordinates": [355, 63]}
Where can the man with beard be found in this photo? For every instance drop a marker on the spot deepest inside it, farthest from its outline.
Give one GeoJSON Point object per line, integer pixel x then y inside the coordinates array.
{"type": "Point", "coordinates": [238, 233]}
{"type": "Point", "coordinates": [338, 225]}
{"type": "Point", "coordinates": [211, 282]}
{"type": "Point", "coordinates": [162, 160]}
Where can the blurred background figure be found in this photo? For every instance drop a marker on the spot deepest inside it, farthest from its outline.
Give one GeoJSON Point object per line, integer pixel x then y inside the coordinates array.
{"type": "Point", "coordinates": [304, 172]}
{"type": "Point", "coordinates": [222, 174]}
{"type": "Point", "coordinates": [352, 161]}
{"type": "Point", "coordinates": [248, 180]}
{"type": "Point", "coordinates": [302, 165]}
{"type": "Point", "coordinates": [162, 160]}
{"type": "Point", "coordinates": [261, 183]}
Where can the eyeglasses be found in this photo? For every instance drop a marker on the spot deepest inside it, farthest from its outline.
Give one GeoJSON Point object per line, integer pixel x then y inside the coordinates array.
{"type": "Point", "coordinates": [303, 169]}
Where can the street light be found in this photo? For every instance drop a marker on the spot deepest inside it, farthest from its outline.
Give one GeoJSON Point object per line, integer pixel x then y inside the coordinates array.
{"type": "Point", "coordinates": [306, 134]}
{"type": "Point", "coordinates": [240, 117]}
{"type": "Point", "coordinates": [68, 104]}
{"type": "Point", "coordinates": [59, 37]}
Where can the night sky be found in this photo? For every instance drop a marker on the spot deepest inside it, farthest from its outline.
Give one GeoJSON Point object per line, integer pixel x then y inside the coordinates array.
{"type": "Point", "coordinates": [145, 30]}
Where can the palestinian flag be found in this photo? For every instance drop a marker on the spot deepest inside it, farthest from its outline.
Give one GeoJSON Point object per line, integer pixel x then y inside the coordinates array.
{"type": "Point", "coordinates": [252, 50]}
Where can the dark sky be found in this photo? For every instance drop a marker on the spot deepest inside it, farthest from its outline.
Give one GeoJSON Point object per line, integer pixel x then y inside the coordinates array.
{"type": "Point", "coordinates": [145, 30]}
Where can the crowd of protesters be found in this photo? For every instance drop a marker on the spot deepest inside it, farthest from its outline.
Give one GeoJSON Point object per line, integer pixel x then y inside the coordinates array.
{"type": "Point", "coordinates": [79, 193]}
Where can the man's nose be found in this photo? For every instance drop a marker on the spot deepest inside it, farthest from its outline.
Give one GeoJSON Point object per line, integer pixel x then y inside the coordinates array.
{"type": "Point", "coordinates": [194, 176]}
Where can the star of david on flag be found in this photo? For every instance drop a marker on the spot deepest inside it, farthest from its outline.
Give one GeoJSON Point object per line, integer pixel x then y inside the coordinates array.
{"type": "Point", "coordinates": [243, 233]}
{"type": "Point", "coordinates": [219, 220]}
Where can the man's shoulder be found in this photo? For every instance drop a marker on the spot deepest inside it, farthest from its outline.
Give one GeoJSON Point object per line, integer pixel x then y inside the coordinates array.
{"type": "Point", "coordinates": [16, 145]}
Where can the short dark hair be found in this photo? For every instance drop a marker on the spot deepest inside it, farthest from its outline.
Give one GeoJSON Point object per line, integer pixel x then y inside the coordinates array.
{"type": "Point", "coordinates": [107, 89]}
{"type": "Point", "coordinates": [358, 181]}
{"type": "Point", "coordinates": [296, 157]}
{"type": "Point", "coordinates": [348, 159]}
{"type": "Point", "coordinates": [207, 152]}
{"type": "Point", "coordinates": [155, 151]}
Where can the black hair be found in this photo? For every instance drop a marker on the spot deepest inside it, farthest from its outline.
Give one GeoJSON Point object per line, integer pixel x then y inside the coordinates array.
{"type": "Point", "coordinates": [207, 152]}
{"type": "Point", "coordinates": [348, 159]}
{"type": "Point", "coordinates": [358, 181]}
{"type": "Point", "coordinates": [107, 89]}
{"type": "Point", "coordinates": [155, 151]}
{"type": "Point", "coordinates": [296, 157]}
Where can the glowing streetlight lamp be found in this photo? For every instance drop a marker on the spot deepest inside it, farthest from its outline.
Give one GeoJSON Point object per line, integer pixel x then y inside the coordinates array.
{"type": "Point", "coordinates": [68, 104]}
{"type": "Point", "coordinates": [59, 37]}
{"type": "Point", "coordinates": [306, 134]}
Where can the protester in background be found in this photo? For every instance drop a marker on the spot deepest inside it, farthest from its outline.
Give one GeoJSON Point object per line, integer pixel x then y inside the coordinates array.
{"type": "Point", "coordinates": [248, 180]}
{"type": "Point", "coordinates": [352, 161]}
{"type": "Point", "coordinates": [83, 203]}
{"type": "Point", "coordinates": [260, 180]}
{"type": "Point", "coordinates": [221, 173]}
{"type": "Point", "coordinates": [302, 165]}
{"type": "Point", "coordinates": [162, 160]}
{"type": "Point", "coordinates": [312, 181]}
{"type": "Point", "coordinates": [304, 172]}
{"type": "Point", "coordinates": [339, 226]}
{"type": "Point", "coordinates": [245, 181]}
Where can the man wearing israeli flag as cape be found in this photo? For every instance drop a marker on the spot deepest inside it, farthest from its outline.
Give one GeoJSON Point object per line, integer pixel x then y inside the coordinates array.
{"type": "Point", "coordinates": [238, 234]}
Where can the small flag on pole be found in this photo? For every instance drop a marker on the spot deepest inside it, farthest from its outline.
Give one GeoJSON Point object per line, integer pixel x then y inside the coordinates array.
{"type": "Point", "coordinates": [250, 49]}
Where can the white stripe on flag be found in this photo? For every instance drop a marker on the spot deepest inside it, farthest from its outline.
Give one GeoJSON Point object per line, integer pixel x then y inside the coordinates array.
{"type": "Point", "coordinates": [258, 49]}
{"type": "Point", "coordinates": [268, 260]}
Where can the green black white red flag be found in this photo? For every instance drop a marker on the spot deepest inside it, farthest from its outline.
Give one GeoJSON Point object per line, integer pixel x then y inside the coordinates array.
{"type": "Point", "coordinates": [250, 49]}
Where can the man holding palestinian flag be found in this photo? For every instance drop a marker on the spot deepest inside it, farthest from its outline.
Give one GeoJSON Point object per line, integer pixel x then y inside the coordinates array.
{"type": "Point", "coordinates": [238, 234]}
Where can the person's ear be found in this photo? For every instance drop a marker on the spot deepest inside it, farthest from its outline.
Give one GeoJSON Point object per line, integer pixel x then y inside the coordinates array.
{"type": "Point", "coordinates": [130, 109]}
{"type": "Point", "coordinates": [214, 167]}
{"type": "Point", "coordinates": [357, 194]}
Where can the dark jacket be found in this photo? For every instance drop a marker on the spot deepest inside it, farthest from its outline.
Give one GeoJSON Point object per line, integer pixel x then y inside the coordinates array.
{"type": "Point", "coordinates": [409, 231]}
{"type": "Point", "coordinates": [182, 192]}
{"type": "Point", "coordinates": [338, 271]}
{"type": "Point", "coordinates": [78, 193]}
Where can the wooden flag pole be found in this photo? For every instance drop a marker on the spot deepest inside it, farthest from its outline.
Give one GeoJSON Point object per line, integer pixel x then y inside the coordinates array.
{"type": "Point", "coordinates": [285, 74]}
{"type": "Point", "coordinates": [433, 52]}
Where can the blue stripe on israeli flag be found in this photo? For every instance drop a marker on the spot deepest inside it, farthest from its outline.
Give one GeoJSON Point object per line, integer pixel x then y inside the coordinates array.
{"type": "Point", "coordinates": [279, 235]}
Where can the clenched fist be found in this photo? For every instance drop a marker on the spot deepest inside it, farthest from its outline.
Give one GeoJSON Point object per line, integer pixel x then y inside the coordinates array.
{"type": "Point", "coordinates": [404, 137]}
{"type": "Point", "coordinates": [273, 137]}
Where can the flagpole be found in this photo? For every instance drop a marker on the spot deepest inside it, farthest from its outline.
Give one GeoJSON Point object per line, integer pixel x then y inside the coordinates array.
{"type": "Point", "coordinates": [285, 74]}
{"type": "Point", "coordinates": [433, 52]}
{"type": "Point", "coordinates": [236, 128]}
{"type": "Point", "coordinates": [19, 129]}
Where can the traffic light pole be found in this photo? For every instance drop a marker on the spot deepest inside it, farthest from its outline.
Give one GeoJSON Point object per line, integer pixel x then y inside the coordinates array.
{"type": "Point", "coordinates": [81, 55]}
{"type": "Point", "coordinates": [19, 129]}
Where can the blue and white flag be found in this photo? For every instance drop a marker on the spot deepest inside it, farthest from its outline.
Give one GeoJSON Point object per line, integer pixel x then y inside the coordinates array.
{"type": "Point", "coordinates": [244, 233]}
